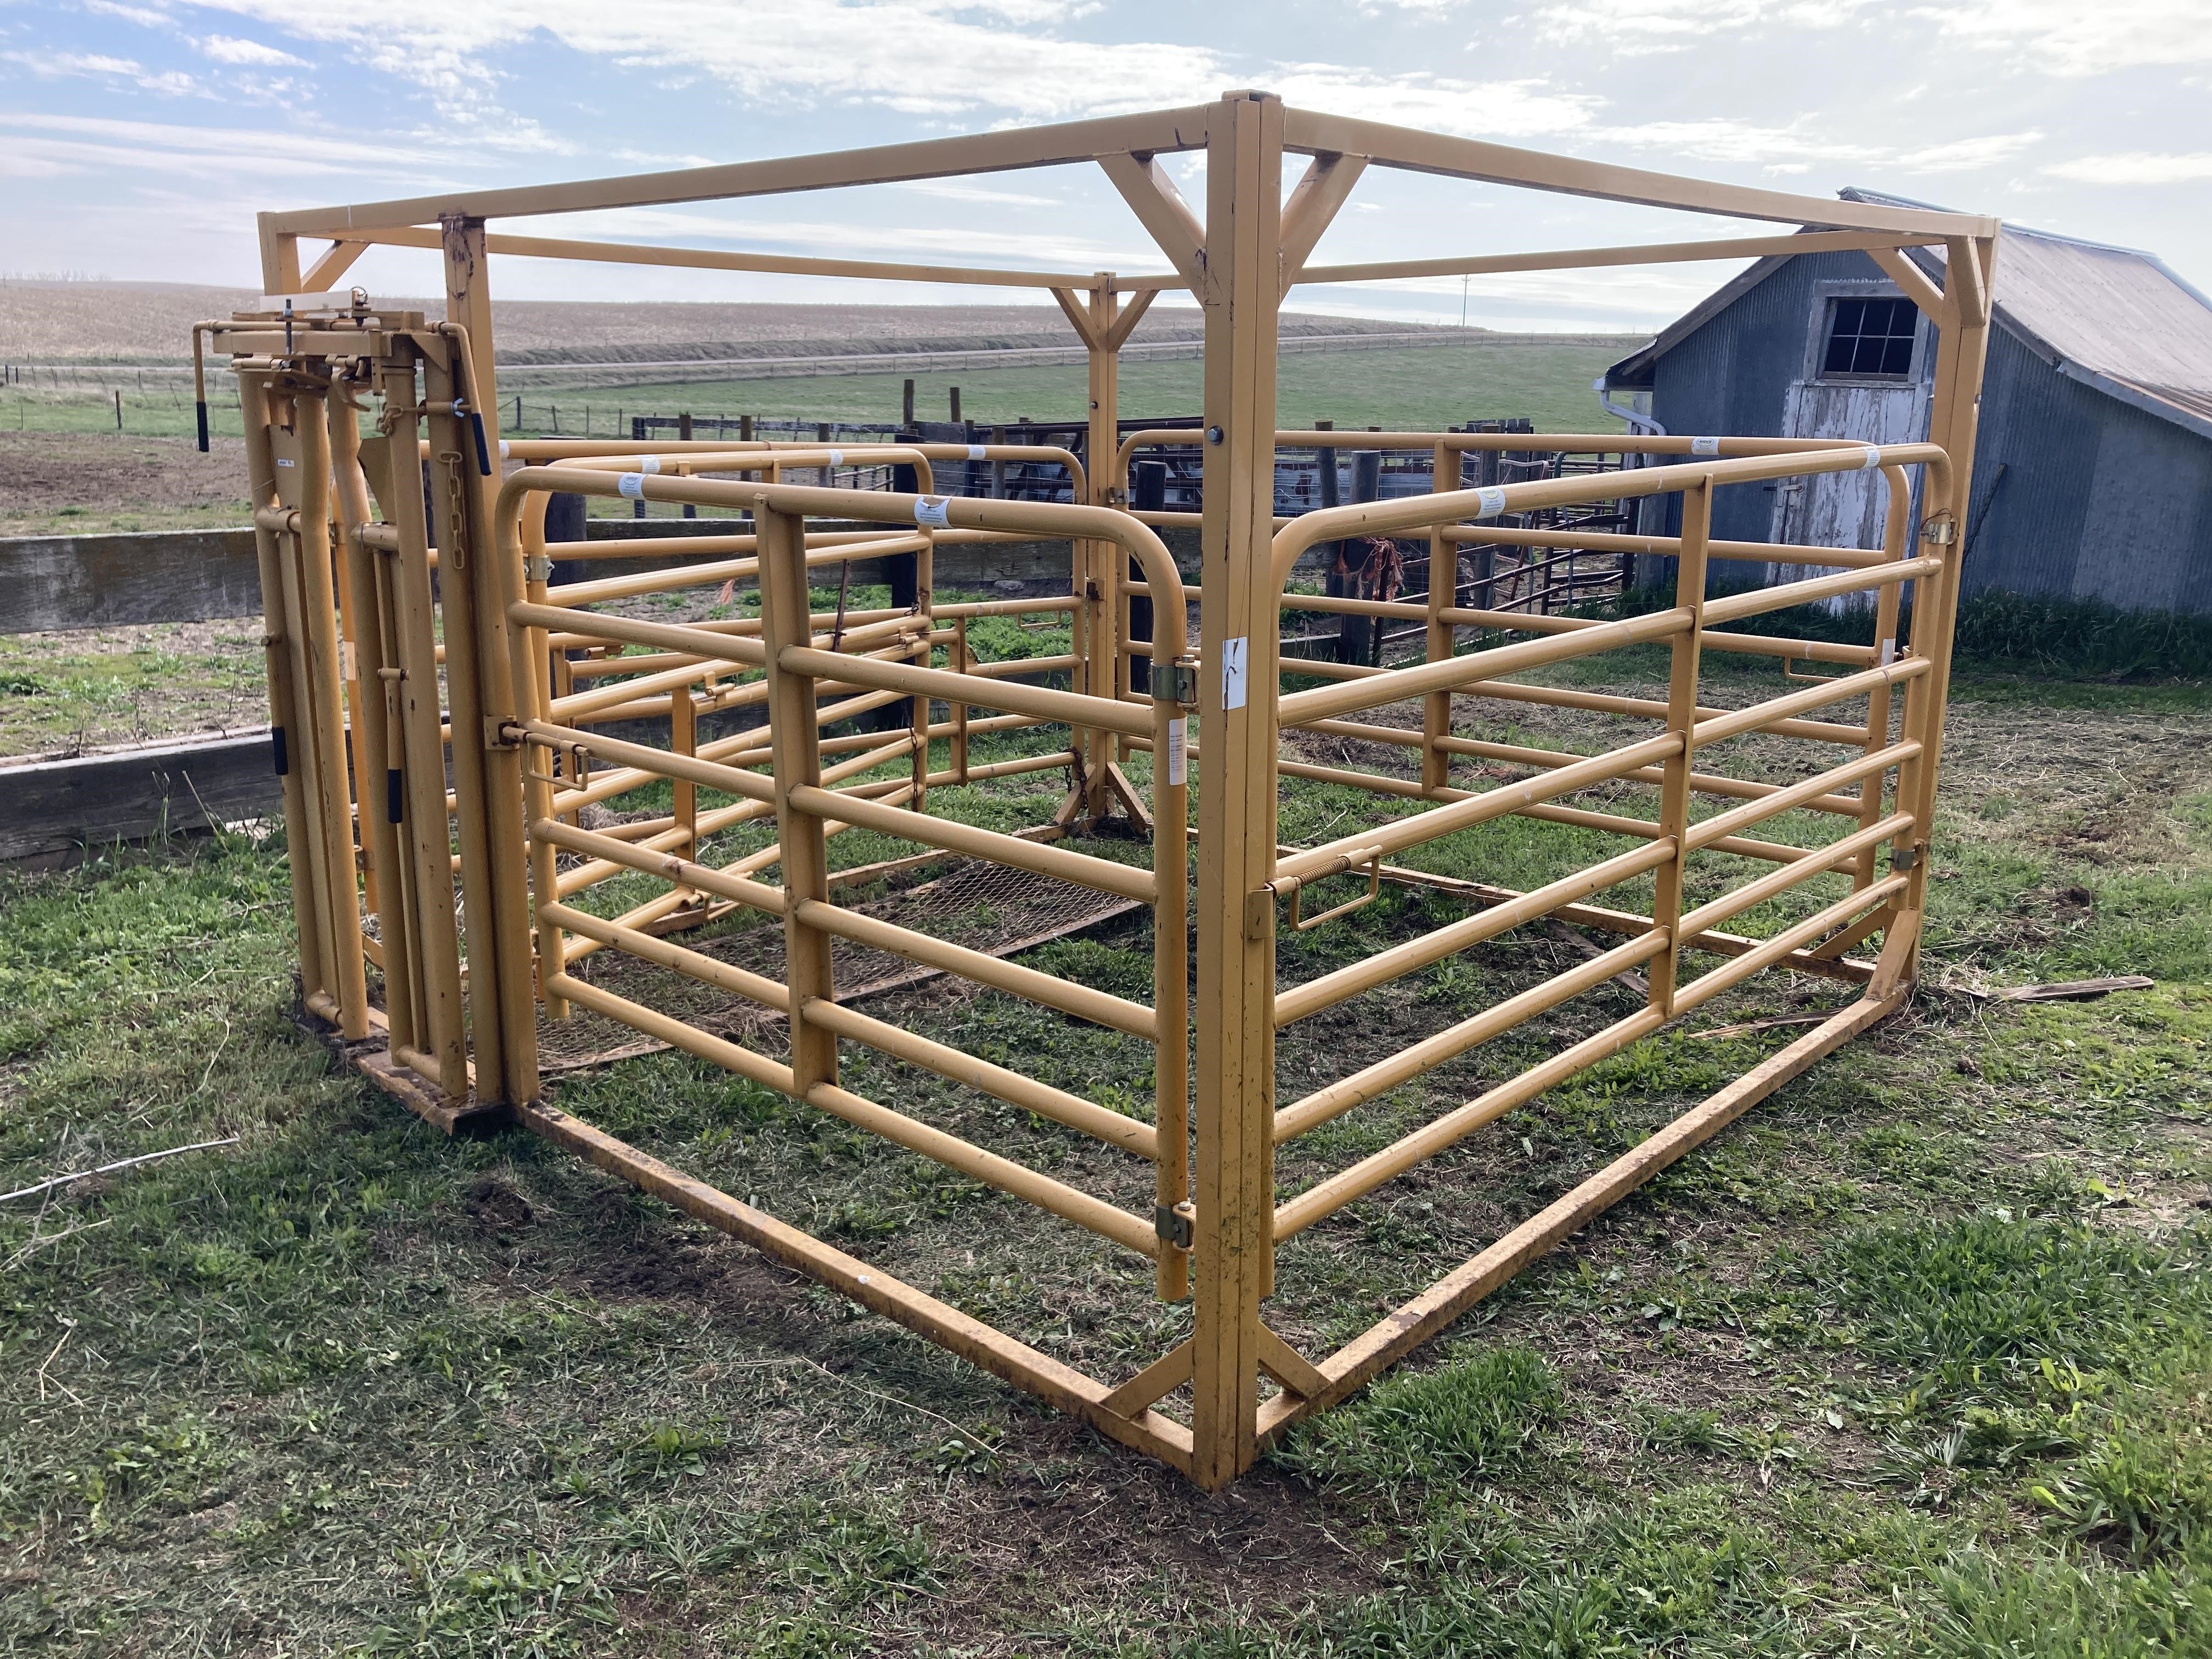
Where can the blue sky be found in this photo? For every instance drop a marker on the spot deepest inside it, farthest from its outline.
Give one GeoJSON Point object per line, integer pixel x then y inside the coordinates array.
{"type": "Point", "coordinates": [138, 137]}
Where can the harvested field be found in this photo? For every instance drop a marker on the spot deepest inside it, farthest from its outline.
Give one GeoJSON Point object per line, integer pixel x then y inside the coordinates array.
{"type": "Point", "coordinates": [151, 323]}
{"type": "Point", "coordinates": [1909, 1361]}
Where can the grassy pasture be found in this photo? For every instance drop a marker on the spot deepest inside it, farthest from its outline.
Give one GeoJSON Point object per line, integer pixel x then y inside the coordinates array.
{"type": "Point", "coordinates": [1418, 388]}
{"type": "Point", "coordinates": [1913, 1360]}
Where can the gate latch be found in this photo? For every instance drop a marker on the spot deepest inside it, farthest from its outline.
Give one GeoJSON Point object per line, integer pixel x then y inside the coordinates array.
{"type": "Point", "coordinates": [1176, 682]}
{"type": "Point", "coordinates": [1175, 1223]}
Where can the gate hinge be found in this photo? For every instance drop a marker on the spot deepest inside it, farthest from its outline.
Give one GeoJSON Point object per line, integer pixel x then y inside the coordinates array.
{"type": "Point", "coordinates": [1176, 682]}
{"type": "Point", "coordinates": [501, 733]}
{"type": "Point", "coordinates": [1175, 1223]}
{"type": "Point", "coordinates": [1903, 857]}
{"type": "Point", "coordinates": [1942, 531]}
{"type": "Point", "coordinates": [537, 568]}
{"type": "Point", "coordinates": [1259, 909]}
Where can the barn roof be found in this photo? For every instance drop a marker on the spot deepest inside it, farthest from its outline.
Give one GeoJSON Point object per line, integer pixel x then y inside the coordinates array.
{"type": "Point", "coordinates": [2113, 318]}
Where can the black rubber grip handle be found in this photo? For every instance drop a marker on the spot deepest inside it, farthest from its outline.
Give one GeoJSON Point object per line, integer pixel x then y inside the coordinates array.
{"type": "Point", "coordinates": [484, 449]}
{"type": "Point", "coordinates": [201, 406]}
{"type": "Point", "coordinates": [276, 746]}
{"type": "Point", "coordinates": [395, 798]}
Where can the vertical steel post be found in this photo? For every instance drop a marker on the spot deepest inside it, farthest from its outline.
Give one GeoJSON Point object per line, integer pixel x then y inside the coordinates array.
{"type": "Point", "coordinates": [1444, 589]}
{"type": "Point", "coordinates": [1148, 493]}
{"type": "Point", "coordinates": [1954, 411]}
{"type": "Point", "coordinates": [1233, 1245]}
{"type": "Point", "coordinates": [395, 466]}
{"type": "Point", "coordinates": [795, 742]}
{"type": "Point", "coordinates": [475, 589]}
{"type": "Point", "coordinates": [286, 722]}
{"type": "Point", "coordinates": [321, 663]}
{"type": "Point", "coordinates": [1668, 880]}
{"type": "Point", "coordinates": [1103, 561]}
{"type": "Point", "coordinates": [377, 780]}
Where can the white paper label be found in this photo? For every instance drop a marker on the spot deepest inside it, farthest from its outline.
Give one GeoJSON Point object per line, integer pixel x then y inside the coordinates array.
{"type": "Point", "coordinates": [1873, 459]}
{"type": "Point", "coordinates": [1236, 659]}
{"type": "Point", "coordinates": [281, 461]}
{"type": "Point", "coordinates": [1888, 652]}
{"type": "Point", "coordinates": [1490, 500]}
{"type": "Point", "coordinates": [649, 463]}
{"type": "Point", "coordinates": [503, 449]}
{"type": "Point", "coordinates": [632, 484]}
{"type": "Point", "coordinates": [1705, 446]}
{"type": "Point", "coordinates": [931, 510]}
{"type": "Point", "coordinates": [837, 458]}
{"type": "Point", "coordinates": [346, 661]}
{"type": "Point", "coordinates": [975, 451]}
{"type": "Point", "coordinates": [1178, 751]}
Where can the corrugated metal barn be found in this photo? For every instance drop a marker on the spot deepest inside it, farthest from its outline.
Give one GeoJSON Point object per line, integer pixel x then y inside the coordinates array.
{"type": "Point", "coordinates": [2093, 474]}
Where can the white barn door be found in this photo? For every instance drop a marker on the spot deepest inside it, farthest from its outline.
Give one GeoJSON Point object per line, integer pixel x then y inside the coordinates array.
{"type": "Point", "coordinates": [1840, 509]}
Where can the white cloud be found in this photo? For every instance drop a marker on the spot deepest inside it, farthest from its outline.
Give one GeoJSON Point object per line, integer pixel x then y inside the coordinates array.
{"type": "Point", "coordinates": [1488, 109]}
{"type": "Point", "coordinates": [78, 144]}
{"type": "Point", "coordinates": [818, 49]}
{"type": "Point", "coordinates": [2065, 38]}
{"type": "Point", "coordinates": [1795, 148]}
{"type": "Point", "coordinates": [228, 49]}
{"type": "Point", "coordinates": [1638, 27]}
{"type": "Point", "coordinates": [2134, 167]}
{"type": "Point", "coordinates": [2059, 36]}
{"type": "Point", "coordinates": [99, 66]}
{"type": "Point", "coordinates": [952, 191]}
{"type": "Point", "coordinates": [139, 15]}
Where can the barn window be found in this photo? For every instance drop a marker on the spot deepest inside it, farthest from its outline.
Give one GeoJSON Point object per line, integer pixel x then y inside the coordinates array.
{"type": "Point", "coordinates": [1871, 338]}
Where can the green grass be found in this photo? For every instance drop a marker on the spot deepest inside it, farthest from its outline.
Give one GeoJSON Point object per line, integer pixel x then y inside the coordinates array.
{"type": "Point", "coordinates": [1915, 1359]}
{"type": "Point", "coordinates": [128, 685]}
{"type": "Point", "coordinates": [1416, 388]}
{"type": "Point", "coordinates": [1410, 388]}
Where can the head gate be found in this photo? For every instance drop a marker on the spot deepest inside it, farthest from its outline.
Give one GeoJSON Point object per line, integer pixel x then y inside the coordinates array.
{"type": "Point", "coordinates": [442, 711]}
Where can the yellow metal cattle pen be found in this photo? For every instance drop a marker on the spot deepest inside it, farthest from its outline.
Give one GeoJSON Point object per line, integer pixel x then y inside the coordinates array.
{"type": "Point", "coordinates": [443, 709]}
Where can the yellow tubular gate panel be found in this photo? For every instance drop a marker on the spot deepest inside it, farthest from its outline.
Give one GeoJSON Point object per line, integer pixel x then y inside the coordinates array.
{"type": "Point", "coordinates": [449, 719]}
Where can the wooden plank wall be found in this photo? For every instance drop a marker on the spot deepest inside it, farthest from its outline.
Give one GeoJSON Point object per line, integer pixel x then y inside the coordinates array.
{"type": "Point", "coordinates": [55, 582]}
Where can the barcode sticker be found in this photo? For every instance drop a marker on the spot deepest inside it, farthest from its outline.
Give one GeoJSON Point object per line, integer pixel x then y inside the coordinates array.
{"type": "Point", "coordinates": [837, 458]}
{"type": "Point", "coordinates": [1873, 459]}
{"type": "Point", "coordinates": [1235, 659]}
{"type": "Point", "coordinates": [1888, 652]}
{"type": "Point", "coordinates": [931, 510]}
{"type": "Point", "coordinates": [631, 485]}
{"type": "Point", "coordinates": [1178, 751]}
{"type": "Point", "coordinates": [649, 463]}
{"type": "Point", "coordinates": [1705, 446]}
{"type": "Point", "coordinates": [1490, 500]}
{"type": "Point", "coordinates": [346, 661]}
{"type": "Point", "coordinates": [504, 451]}
{"type": "Point", "coordinates": [975, 451]}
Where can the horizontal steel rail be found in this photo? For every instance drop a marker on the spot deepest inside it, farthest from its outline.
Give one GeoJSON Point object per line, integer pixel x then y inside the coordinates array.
{"type": "Point", "coordinates": [1103, 875]}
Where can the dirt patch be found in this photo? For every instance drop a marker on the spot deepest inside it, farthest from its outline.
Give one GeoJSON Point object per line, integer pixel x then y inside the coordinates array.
{"type": "Point", "coordinates": [45, 473]}
{"type": "Point", "coordinates": [1264, 1546]}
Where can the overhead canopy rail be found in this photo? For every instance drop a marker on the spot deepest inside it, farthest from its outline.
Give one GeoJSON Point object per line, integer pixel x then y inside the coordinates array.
{"type": "Point", "coordinates": [451, 720]}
